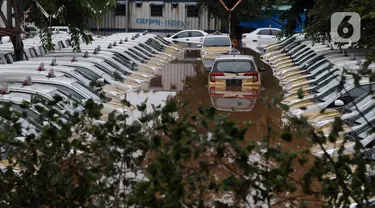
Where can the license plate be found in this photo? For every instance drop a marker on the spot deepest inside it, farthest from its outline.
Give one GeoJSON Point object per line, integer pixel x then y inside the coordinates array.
{"type": "Point", "coordinates": [235, 82]}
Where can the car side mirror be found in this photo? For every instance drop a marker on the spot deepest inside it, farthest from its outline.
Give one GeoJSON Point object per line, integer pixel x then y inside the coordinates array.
{"type": "Point", "coordinates": [339, 103]}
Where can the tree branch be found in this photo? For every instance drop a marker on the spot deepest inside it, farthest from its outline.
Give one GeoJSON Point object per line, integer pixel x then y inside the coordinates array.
{"type": "Point", "coordinates": [4, 19]}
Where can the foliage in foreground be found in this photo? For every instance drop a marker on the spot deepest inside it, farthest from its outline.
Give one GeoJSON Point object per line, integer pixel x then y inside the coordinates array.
{"type": "Point", "coordinates": [165, 160]}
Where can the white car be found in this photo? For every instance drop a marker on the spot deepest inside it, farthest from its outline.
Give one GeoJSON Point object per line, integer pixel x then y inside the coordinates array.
{"type": "Point", "coordinates": [260, 38]}
{"type": "Point", "coordinates": [64, 29]}
{"type": "Point", "coordinates": [188, 36]}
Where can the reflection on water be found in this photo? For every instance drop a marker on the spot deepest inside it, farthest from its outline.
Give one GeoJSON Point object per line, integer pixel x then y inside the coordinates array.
{"type": "Point", "coordinates": [173, 76]}
{"type": "Point", "coordinates": [229, 99]}
{"type": "Point", "coordinates": [152, 97]}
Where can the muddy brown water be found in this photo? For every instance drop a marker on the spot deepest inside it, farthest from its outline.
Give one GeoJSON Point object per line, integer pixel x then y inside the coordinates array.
{"type": "Point", "coordinates": [185, 79]}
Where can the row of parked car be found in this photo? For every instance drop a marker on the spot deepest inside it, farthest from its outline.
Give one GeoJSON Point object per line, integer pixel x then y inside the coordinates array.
{"type": "Point", "coordinates": [318, 84]}
{"type": "Point", "coordinates": [104, 71]}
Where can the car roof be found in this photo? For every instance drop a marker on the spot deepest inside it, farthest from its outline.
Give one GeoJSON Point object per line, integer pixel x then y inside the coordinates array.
{"type": "Point", "coordinates": [43, 59]}
{"type": "Point", "coordinates": [16, 97]}
{"type": "Point", "coordinates": [269, 28]}
{"type": "Point", "coordinates": [67, 81]}
{"type": "Point", "coordinates": [217, 35]}
{"type": "Point", "coordinates": [34, 87]}
{"type": "Point", "coordinates": [240, 57]}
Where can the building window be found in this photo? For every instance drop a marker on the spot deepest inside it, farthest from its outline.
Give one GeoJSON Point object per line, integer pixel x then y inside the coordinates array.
{"type": "Point", "coordinates": [192, 11]}
{"type": "Point", "coordinates": [120, 9]}
{"type": "Point", "coordinates": [174, 5]}
{"type": "Point", "coordinates": [156, 10]}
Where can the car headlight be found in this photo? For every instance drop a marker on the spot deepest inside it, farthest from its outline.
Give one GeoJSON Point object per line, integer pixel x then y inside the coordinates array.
{"type": "Point", "coordinates": [203, 52]}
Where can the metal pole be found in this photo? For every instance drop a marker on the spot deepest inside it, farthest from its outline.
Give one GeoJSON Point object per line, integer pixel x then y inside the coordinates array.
{"type": "Point", "coordinates": [126, 15]}
{"type": "Point", "coordinates": [229, 17]}
{"type": "Point", "coordinates": [229, 20]}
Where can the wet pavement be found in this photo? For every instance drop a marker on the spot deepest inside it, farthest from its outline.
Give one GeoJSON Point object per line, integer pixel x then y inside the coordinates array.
{"type": "Point", "coordinates": [186, 79]}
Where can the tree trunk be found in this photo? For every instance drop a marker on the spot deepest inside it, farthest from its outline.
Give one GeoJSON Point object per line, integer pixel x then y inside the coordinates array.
{"type": "Point", "coordinates": [16, 40]}
{"type": "Point", "coordinates": [18, 47]}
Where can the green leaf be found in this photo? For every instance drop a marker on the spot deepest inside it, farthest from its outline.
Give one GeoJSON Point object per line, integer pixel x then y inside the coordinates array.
{"type": "Point", "coordinates": [300, 94]}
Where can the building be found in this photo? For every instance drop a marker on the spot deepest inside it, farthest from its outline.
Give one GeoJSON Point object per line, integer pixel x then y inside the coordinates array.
{"type": "Point", "coordinates": [156, 16]}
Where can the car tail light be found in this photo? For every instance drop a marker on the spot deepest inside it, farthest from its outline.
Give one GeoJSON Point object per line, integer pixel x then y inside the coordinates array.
{"type": "Point", "coordinates": [253, 74]}
{"type": "Point", "coordinates": [243, 36]}
{"type": "Point", "coordinates": [213, 94]}
{"type": "Point", "coordinates": [215, 74]}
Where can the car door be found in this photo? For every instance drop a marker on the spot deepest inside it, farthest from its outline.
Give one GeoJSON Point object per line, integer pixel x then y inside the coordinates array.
{"type": "Point", "coordinates": [197, 36]}
{"type": "Point", "coordinates": [182, 37]}
{"type": "Point", "coordinates": [264, 33]}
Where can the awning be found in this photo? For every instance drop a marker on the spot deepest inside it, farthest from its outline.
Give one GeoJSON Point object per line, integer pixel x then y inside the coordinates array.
{"type": "Point", "coordinates": [273, 21]}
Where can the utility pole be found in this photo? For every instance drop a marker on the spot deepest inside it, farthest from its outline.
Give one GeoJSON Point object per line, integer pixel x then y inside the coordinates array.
{"type": "Point", "coordinates": [126, 15]}
{"type": "Point", "coordinates": [230, 15]}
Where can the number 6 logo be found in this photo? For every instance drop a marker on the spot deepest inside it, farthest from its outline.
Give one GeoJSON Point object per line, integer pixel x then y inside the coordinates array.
{"type": "Point", "coordinates": [345, 27]}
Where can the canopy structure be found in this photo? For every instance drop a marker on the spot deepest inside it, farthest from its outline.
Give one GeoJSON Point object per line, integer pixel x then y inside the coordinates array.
{"type": "Point", "coordinates": [271, 20]}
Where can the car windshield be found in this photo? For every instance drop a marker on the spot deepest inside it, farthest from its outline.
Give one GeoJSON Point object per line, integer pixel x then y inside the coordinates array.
{"type": "Point", "coordinates": [133, 56]}
{"type": "Point", "coordinates": [299, 51]}
{"type": "Point", "coordinates": [287, 41]}
{"type": "Point", "coordinates": [367, 111]}
{"type": "Point", "coordinates": [69, 91]}
{"type": "Point", "coordinates": [363, 131]}
{"type": "Point", "coordinates": [216, 41]}
{"type": "Point", "coordinates": [9, 58]}
{"type": "Point", "coordinates": [291, 46]}
{"type": "Point", "coordinates": [146, 47]}
{"type": "Point", "coordinates": [359, 101]}
{"type": "Point", "coordinates": [32, 116]}
{"type": "Point", "coordinates": [85, 89]}
{"type": "Point", "coordinates": [142, 50]}
{"type": "Point", "coordinates": [59, 93]}
{"type": "Point", "coordinates": [328, 93]}
{"type": "Point", "coordinates": [103, 69]}
{"type": "Point", "coordinates": [122, 62]}
{"type": "Point", "coordinates": [138, 54]}
{"type": "Point", "coordinates": [116, 67]}
{"type": "Point", "coordinates": [234, 66]}
{"type": "Point", "coordinates": [316, 65]}
{"type": "Point", "coordinates": [42, 50]}
{"type": "Point", "coordinates": [90, 75]}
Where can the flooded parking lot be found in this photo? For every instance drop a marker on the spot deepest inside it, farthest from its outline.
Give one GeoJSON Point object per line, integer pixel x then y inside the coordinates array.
{"type": "Point", "coordinates": [185, 79]}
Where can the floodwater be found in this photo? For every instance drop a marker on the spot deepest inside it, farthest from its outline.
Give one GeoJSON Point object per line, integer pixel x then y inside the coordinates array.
{"type": "Point", "coordinates": [185, 79]}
